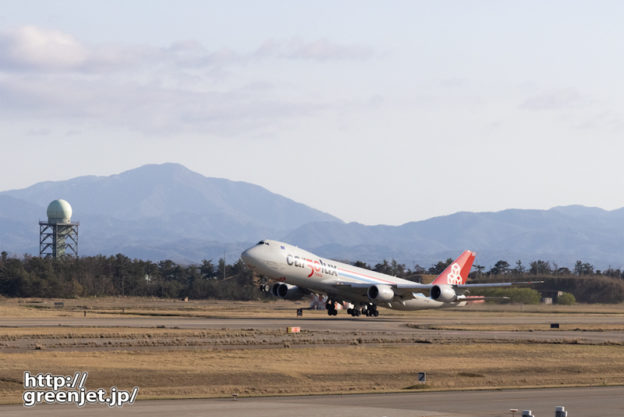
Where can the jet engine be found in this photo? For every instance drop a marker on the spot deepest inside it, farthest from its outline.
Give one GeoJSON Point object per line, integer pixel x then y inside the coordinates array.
{"type": "Point", "coordinates": [380, 293]}
{"type": "Point", "coordinates": [444, 293]}
{"type": "Point", "coordinates": [287, 291]}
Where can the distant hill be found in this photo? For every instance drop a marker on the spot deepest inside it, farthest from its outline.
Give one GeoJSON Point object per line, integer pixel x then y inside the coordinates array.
{"type": "Point", "coordinates": [155, 211]}
{"type": "Point", "coordinates": [19, 225]}
{"type": "Point", "coordinates": [562, 235]}
{"type": "Point", "coordinates": [169, 212]}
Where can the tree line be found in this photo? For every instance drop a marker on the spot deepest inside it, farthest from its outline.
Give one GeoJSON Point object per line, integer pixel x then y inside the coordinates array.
{"type": "Point", "coordinates": [119, 275]}
{"type": "Point", "coordinates": [501, 267]}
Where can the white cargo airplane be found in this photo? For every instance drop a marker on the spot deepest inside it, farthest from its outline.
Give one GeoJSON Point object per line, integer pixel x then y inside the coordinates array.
{"type": "Point", "coordinates": [300, 272]}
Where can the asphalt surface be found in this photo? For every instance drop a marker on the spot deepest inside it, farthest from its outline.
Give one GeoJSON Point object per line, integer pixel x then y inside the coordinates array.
{"type": "Point", "coordinates": [587, 402]}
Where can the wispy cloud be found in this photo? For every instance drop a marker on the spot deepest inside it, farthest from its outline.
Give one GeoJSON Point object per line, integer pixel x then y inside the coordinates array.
{"type": "Point", "coordinates": [319, 50]}
{"type": "Point", "coordinates": [560, 99]}
{"type": "Point", "coordinates": [46, 50]}
{"type": "Point", "coordinates": [577, 109]}
{"type": "Point", "coordinates": [46, 73]}
{"type": "Point", "coordinates": [150, 109]}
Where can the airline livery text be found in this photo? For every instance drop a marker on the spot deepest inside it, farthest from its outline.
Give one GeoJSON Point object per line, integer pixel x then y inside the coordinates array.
{"type": "Point", "coordinates": [316, 266]}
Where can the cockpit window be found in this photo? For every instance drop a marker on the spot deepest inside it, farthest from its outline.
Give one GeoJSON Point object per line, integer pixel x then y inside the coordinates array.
{"type": "Point", "coordinates": [262, 242]}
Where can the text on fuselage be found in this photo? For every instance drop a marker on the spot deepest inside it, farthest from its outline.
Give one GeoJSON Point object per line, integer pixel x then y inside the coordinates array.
{"type": "Point", "coordinates": [316, 266]}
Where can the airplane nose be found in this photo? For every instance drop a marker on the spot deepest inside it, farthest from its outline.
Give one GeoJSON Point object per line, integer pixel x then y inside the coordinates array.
{"type": "Point", "coordinates": [248, 257]}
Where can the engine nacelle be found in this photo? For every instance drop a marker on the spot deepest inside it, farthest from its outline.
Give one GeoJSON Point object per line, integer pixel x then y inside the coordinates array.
{"type": "Point", "coordinates": [380, 293]}
{"type": "Point", "coordinates": [287, 291]}
{"type": "Point", "coordinates": [444, 293]}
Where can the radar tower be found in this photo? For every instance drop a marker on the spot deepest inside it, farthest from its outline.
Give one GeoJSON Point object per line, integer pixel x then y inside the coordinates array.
{"type": "Point", "coordinates": [58, 237]}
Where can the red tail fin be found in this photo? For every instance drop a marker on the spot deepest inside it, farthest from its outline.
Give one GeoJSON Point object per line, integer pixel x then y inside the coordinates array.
{"type": "Point", "coordinates": [457, 272]}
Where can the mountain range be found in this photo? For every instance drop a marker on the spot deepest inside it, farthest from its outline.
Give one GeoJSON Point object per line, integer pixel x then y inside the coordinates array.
{"type": "Point", "coordinates": [170, 212]}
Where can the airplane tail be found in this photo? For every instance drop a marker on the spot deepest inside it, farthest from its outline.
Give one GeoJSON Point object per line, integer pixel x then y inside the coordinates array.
{"type": "Point", "coordinates": [457, 272]}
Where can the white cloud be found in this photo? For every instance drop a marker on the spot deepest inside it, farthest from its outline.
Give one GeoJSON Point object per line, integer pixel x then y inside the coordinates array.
{"type": "Point", "coordinates": [30, 47]}
{"type": "Point", "coordinates": [35, 49]}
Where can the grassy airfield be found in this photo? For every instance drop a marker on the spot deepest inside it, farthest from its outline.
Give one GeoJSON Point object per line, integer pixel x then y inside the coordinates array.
{"type": "Point", "coordinates": [172, 362]}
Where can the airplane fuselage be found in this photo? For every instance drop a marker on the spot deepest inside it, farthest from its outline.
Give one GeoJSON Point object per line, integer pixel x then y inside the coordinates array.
{"type": "Point", "coordinates": [340, 281]}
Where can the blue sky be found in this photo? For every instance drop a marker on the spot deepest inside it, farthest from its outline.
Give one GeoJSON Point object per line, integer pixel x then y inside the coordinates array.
{"type": "Point", "coordinates": [374, 112]}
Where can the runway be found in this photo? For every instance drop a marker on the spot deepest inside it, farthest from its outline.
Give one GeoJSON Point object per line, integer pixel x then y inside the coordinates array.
{"type": "Point", "coordinates": [397, 326]}
{"type": "Point", "coordinates": [586, 402]}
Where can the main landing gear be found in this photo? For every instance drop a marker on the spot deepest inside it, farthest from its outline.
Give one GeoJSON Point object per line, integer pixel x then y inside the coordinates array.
{"type": "Point", "coordinates": [355, 312]}
{"type": "Point", "coordinates": [369, 310]}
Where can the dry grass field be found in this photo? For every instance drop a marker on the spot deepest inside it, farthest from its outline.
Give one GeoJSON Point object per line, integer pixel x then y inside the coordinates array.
{"type": "Point", "coordinates": [324, 369]}
{"type": "Point", "coordinates": [176, 362]}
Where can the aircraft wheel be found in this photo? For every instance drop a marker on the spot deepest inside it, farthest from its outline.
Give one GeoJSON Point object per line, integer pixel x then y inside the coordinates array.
{"type": "Point", "coordinates": [376, 313]}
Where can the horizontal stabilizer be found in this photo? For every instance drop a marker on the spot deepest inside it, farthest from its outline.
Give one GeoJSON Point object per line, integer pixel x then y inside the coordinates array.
{"type": "Point", "coordinates": [473, 298]}
{"type": "Point", "coordinates": [498, 284]}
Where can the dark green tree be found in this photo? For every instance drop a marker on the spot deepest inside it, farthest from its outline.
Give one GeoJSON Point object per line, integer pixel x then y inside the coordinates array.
{"type": "Point", "coordinates": [540, 267]}
{"type": "Point", "coordinates": [361, 264]}
{"type": "Point", "coordinates": [438, 268]}
{"type": "Point", "coordinates": [500, 267]}
{"type": "Point", "coordinates": [585, 268]}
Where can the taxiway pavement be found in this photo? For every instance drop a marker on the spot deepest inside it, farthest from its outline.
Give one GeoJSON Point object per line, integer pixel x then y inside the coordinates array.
{"type": "Point", "coordinates": [586, 402]}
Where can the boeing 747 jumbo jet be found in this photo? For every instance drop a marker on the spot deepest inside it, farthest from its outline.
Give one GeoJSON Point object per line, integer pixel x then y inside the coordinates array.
{"type": "Point", "coordinates": [299, 272]}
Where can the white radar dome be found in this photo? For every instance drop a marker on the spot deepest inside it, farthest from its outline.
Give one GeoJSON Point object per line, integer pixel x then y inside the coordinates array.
{"type": "Point", "coordinates": [59, 211]}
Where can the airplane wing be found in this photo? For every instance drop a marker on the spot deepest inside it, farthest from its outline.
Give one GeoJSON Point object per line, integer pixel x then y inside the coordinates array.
{"type": "Point", "coordinates": [415, 285]}
{"type": "Point", "coordinates": [419, 286]}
